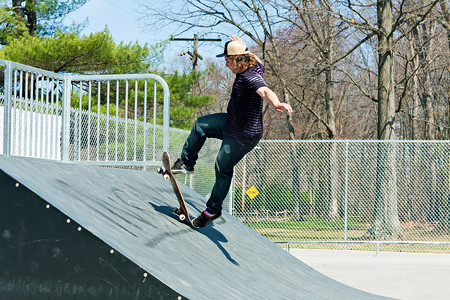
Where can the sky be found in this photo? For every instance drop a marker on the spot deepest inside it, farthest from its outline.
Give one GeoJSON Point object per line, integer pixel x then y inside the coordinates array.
{"type": "Point", "coordinates": [121, 18]}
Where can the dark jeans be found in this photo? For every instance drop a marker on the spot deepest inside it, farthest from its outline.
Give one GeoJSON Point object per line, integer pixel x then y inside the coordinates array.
{"type": "Point", "coordinates": [230, 153]}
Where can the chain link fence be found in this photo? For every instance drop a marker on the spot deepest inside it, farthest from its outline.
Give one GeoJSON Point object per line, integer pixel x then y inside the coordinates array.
{"type": "Point", "coordinates": [203, 180]}
{"type": "Point", "coordinates": [356, 195]}
{"type": "Point", "coordinates": [348, 194]}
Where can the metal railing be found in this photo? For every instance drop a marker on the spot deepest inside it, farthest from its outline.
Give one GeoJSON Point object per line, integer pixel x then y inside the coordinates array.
{"type": "Point", "coordinates": [118, 120]}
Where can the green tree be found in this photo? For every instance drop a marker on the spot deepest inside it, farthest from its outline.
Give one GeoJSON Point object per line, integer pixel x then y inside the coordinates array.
{"type": "Point", "coordinates": [183, 104]}
{"type": "Point", "coordinates": [96, 53]}
{"type": "Point", "coordinates": [35, 17]}
{"type": "Point", "coordinates": [11, 26]}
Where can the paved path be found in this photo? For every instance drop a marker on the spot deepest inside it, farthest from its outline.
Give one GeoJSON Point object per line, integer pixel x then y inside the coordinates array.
{"type": "Point", "coordinates": [408, 276]}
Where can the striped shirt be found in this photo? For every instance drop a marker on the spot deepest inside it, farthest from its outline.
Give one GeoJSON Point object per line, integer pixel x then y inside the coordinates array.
{"type": "Point", "coordinates": [244, 112]}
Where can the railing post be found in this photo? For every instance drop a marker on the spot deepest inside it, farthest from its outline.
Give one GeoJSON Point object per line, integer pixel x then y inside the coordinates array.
{"type": "Point", "coordinates": [65, 128]}
{"type": "Point", "coordinates": [230, 206]}
{"type": "Point", "coordinates": [166, 116]}
{"type": "Point", "coordinates": [7, 111]}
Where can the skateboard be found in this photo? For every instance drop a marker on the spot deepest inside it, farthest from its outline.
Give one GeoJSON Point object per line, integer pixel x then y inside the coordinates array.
{"type": "Point", "coordinates": [167, 174]}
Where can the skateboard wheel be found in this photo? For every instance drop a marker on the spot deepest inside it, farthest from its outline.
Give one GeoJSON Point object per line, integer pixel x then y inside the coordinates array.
{"type": "Point", "coordinates": [159, 170]}
{"type": "Point", "coordinates": [181, 217]}
{"type": "Point", "coordinates": [166, 176]}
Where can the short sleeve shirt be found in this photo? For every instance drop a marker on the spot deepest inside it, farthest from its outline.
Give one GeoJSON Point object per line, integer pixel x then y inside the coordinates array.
{"type": "Point", "coordinates": [244, 112]}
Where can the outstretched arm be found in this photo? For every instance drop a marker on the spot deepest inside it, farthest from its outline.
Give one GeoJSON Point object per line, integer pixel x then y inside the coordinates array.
{"type": "Point", "coordinates": [268, 95]}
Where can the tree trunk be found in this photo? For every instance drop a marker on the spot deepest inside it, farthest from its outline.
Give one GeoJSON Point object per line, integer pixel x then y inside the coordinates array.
{"type": "Point", "coordinates": [425, 34]}
{"type": "Point", "coordinates": [444, 211]}
{"type": "Point", "coordinates": [333, 183]}
{"type": "Point", "coordinates": [332, 169]}
{"type": "Point", "coordinates": [385, 224]}
{"type": "Point", "coordinates": [289, 116]}
{"type": "Point", "coordinates": [31, 17]}
{"type": "Point", "coordinates": [27, 14]}
{"type": "Point", "coordinates": [414, 109]}
{"type": "Point", "coordinates": [18, 8]}
{"type": "Point", "coordinates": [446, 17]}
{"type": "Point", "coordinates": [296, 157]}
{"type": "Point", "coordinates": [444, 217]}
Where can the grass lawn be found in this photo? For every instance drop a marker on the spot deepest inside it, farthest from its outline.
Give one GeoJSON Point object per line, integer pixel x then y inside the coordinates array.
{"type": "Point", "coordinates": [315, 229]}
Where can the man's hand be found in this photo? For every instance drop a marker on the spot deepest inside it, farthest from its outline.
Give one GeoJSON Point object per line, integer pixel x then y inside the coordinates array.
{"type": "Point", "coordinates": [235, 38]}
{"type": "Point", "coordinates": [284, 106]}
{"type": "Point", "coordinates": [268, 95]}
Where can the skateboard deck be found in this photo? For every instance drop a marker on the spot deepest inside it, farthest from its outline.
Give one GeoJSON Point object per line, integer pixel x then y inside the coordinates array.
{"type": "Point", "coordinates": [167, 174]}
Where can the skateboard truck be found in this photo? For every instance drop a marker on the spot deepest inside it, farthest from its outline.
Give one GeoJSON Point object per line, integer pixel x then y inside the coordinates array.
{"type": "Point", "coordinates": [179, 212]}
{"type": "Point", "coordinates": [164, 173]}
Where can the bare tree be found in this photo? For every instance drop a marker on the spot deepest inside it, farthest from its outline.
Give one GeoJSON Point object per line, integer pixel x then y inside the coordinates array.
{"type": "Point", "coordinates": [255, 19]}
{"type": "Point", "coordinates": [385, 222]}
{"type": "Point", "coordinates": [315, 21]}
{"type": "Point", "coordinates": [443, 202]}
{"type": "Point", "coordinates": [309, 46]}
{"type": "Point", "coordinates": [445, 17]}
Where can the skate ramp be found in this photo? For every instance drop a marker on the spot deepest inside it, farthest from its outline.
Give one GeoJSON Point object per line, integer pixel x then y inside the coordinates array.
{"type": "Point", "coordinates": [131, 213]}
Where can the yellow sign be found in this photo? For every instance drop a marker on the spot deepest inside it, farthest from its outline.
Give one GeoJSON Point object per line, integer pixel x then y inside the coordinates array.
{"type": "Point", "coordinates": [252, 192]}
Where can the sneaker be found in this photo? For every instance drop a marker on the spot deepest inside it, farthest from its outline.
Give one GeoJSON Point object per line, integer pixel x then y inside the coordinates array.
{"type": "Point", "coordinates": [180, 167]}
{"type": "Point", "coordinates": [204, 219]}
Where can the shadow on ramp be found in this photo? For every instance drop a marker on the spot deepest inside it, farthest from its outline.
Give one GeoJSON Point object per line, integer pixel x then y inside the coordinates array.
{"type": "Point", "coordinates": [210, 232]}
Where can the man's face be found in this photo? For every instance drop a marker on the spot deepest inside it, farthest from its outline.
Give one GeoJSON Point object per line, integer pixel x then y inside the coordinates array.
{"type": "Point", "coordinates": [231, 64]}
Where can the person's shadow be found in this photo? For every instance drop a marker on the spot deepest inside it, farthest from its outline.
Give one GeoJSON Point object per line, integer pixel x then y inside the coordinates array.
{"type": "Point", "coordinates": [209, 231]}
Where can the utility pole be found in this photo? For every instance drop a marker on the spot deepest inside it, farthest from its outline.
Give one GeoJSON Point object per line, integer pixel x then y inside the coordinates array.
{"type": "Point", "coordinates": [195, 56]}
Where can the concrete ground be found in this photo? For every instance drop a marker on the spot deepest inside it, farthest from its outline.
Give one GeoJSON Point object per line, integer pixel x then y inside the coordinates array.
{"type": "Point", "coordinates": [408, 276]}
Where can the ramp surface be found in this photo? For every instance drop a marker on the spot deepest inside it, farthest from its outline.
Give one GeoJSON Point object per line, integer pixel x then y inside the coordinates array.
{"type": "Point", "coordinates": [132, 212]}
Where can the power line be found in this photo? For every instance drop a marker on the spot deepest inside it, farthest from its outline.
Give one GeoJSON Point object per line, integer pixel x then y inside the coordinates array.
{"type": "Point", "coordinates": [120, 8]}
{"type": "Point", "coordinates": [80, 23]}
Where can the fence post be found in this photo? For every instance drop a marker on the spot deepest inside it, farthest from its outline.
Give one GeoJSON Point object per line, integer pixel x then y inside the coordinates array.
{"type": "Point", "coordinates": [7, 111]}
{"type": "Point", "coordinates": [346, 197]}
{"type": "Point", "coordinates": [65, 128]}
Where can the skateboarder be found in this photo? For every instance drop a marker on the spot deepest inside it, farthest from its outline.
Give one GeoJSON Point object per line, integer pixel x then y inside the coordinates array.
{"type": "Point", "coordinates": [240, 129]}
